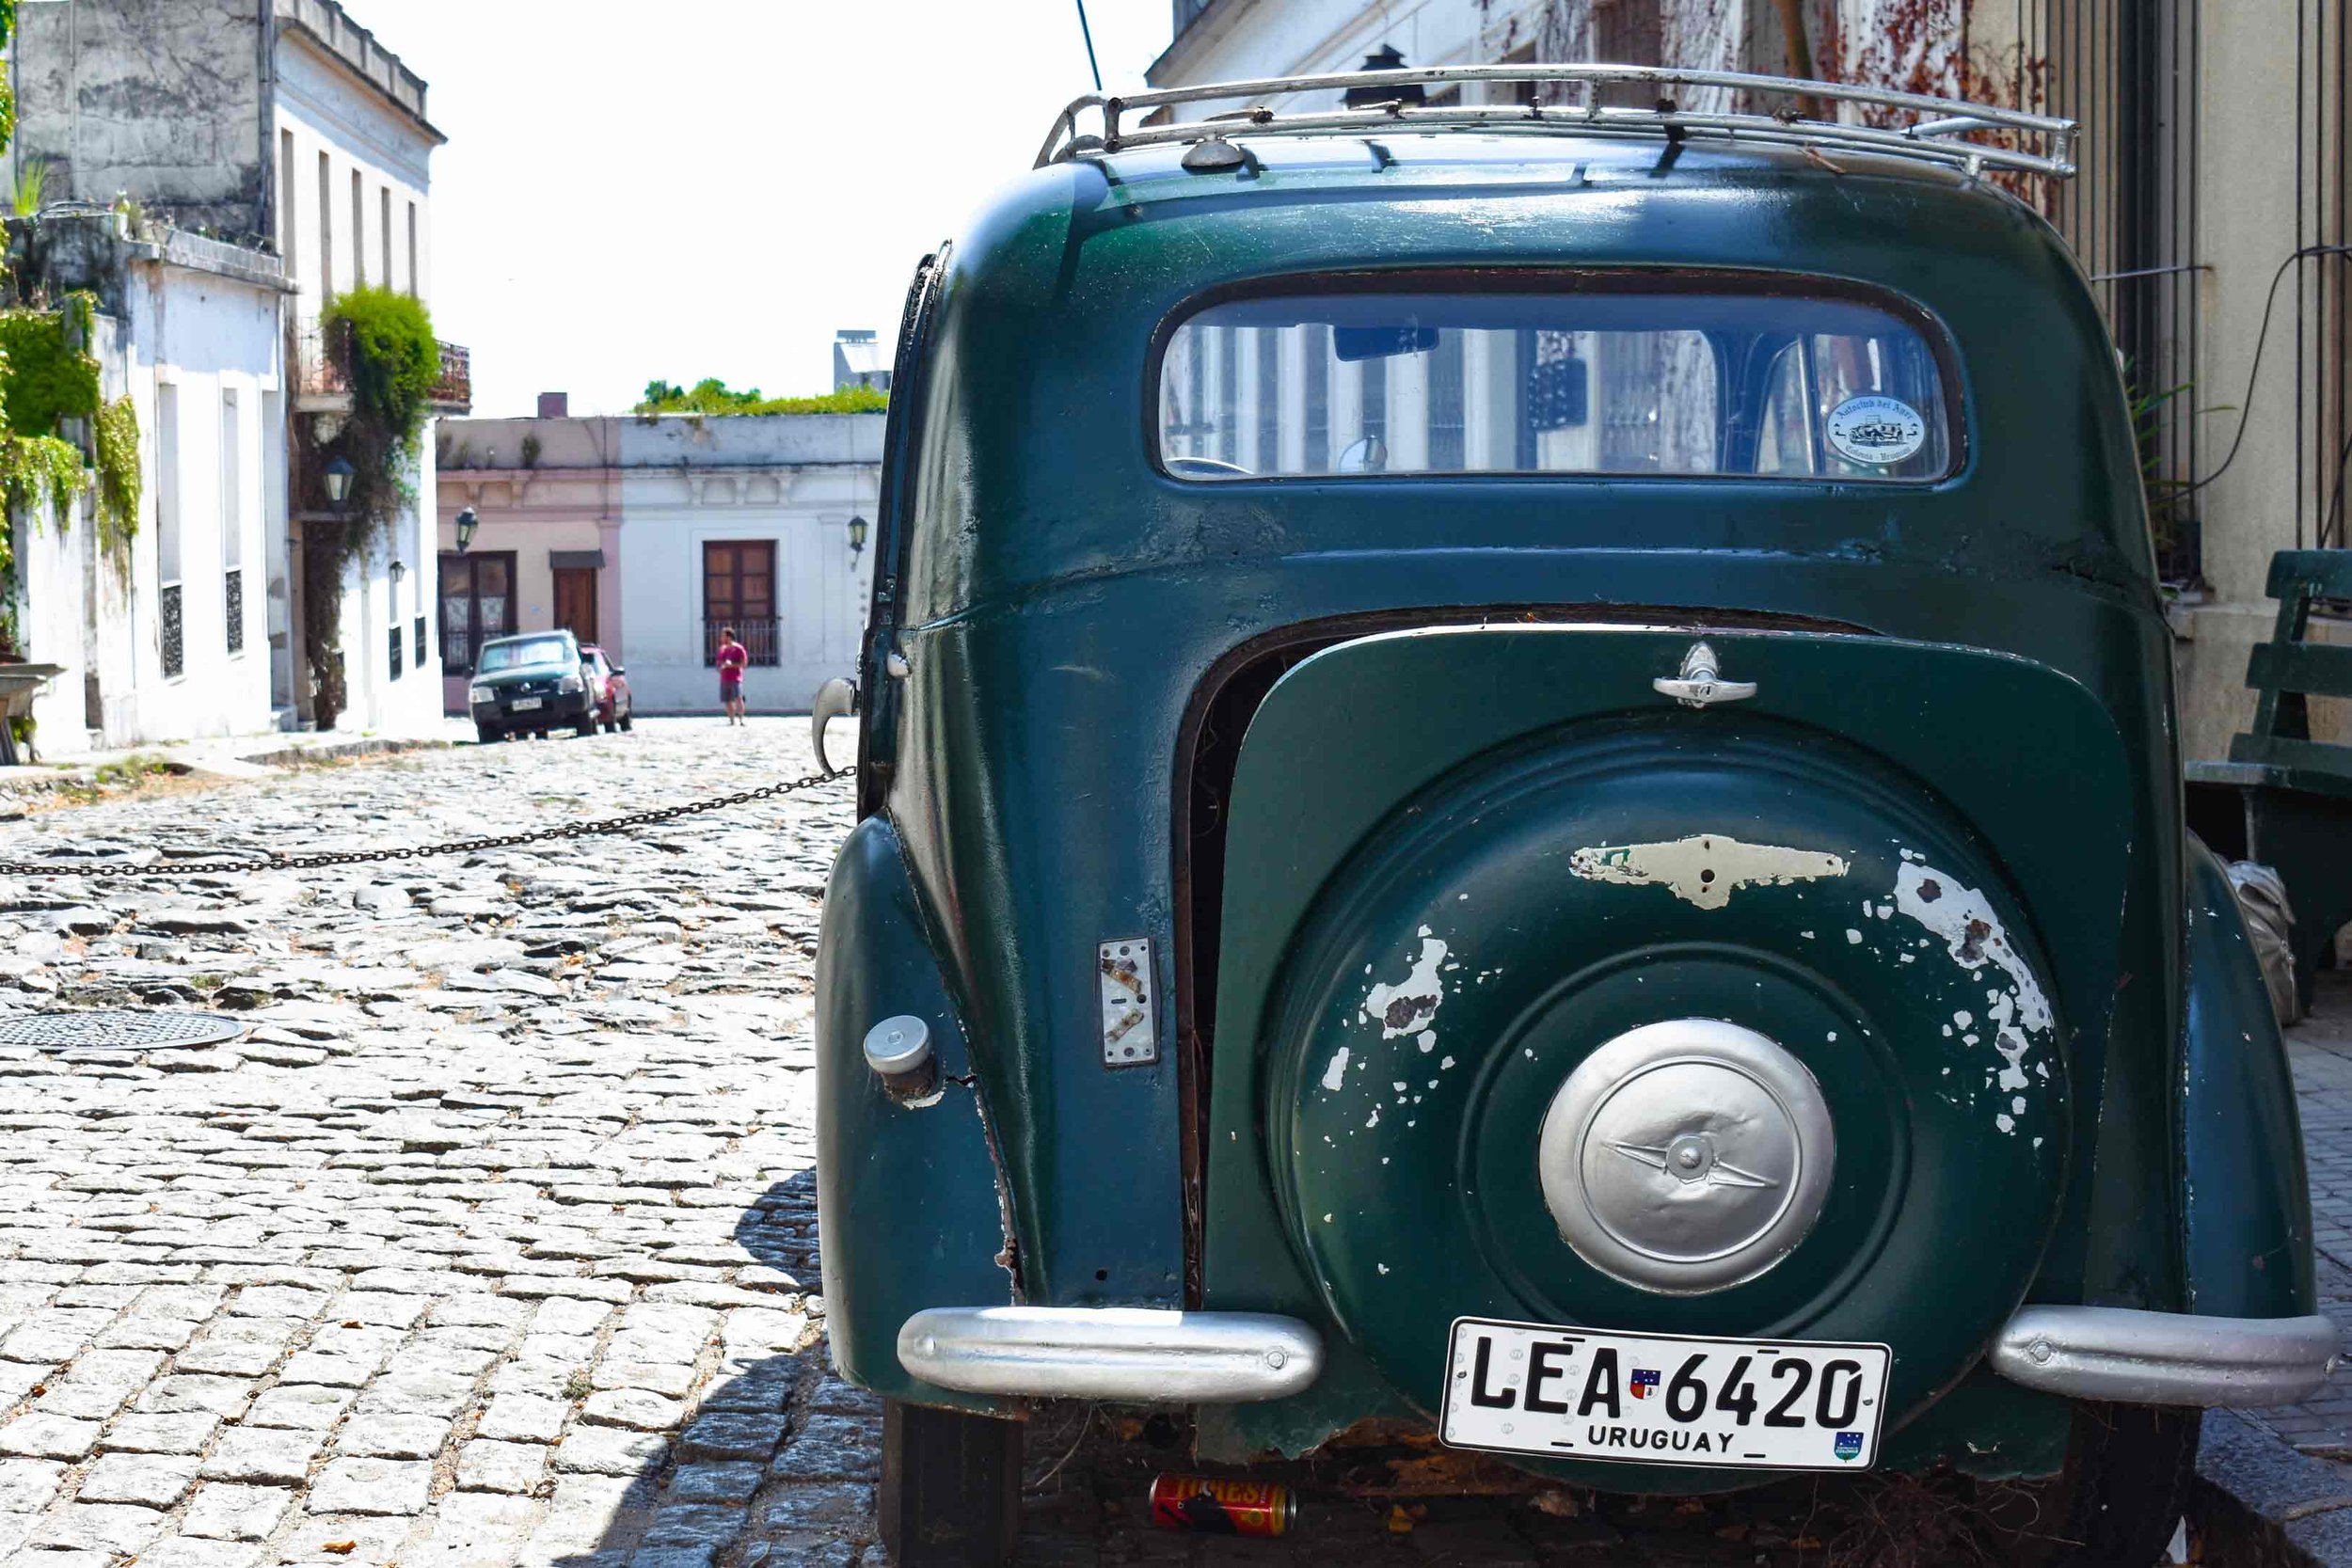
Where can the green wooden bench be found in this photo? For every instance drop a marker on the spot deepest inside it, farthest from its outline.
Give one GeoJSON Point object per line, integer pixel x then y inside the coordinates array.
{"type": "Point", "coordinates": [2282, 798]}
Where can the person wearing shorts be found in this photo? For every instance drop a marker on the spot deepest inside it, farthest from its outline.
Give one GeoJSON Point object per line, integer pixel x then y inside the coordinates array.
{"type": "Point", "coordinates": [733, 657]}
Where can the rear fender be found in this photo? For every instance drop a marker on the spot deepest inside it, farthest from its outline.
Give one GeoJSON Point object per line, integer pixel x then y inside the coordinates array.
{"type": "Point", "coordinates": [907, 1197]}
{"type": "Point", "coordinates": [2246, 1207]}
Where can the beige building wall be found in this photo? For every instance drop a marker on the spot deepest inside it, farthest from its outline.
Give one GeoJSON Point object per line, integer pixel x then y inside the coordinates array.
{"type": "Point", "coordinates": [2249, 194]}
{"type": "Point", "coordinates": [540, 488]}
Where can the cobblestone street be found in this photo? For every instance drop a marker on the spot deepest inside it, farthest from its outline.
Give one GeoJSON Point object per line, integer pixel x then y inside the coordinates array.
{"type": "Point", "coordinates": [493, 1241]}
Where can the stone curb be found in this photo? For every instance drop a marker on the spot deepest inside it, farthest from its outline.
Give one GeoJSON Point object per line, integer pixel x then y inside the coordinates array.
{"type": "Point", "coordinates": [295, 755]}
{"type": "Point", "coordinates": [2258, 1503]}
{"type": "Point", "coordinates": [15, 792]}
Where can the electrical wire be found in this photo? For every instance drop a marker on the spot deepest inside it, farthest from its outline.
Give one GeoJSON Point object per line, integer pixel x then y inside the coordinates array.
{"type": "Point", "coordinates": [2253, 374]}
{"type": "Point", "coordinates": [1087, 33]}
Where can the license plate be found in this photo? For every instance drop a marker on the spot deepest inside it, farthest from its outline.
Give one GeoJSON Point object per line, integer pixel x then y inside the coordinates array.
{"type": "Point", "coordinates": [1663, 1398]}
{"type": "Point", "coordinates": [522, 705]}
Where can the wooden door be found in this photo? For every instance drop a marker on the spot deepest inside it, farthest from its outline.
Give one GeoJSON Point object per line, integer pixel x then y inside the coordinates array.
{"type": "Point", "coordinates": [576, 601]}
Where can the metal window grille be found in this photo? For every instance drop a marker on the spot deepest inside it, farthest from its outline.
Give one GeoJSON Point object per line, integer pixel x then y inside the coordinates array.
{"type": "Point", "coordinates": [393, 651]}
{"type": "Point", "coordinates": [232, 606]}
{"type": "Point", "coordinates": [174, 647]}
{"type": "Point", "coordinates": [1228, 394]}
{"type": "Point", "coordinates": [2129, 71]}
{"type": "Point", "coordinates": [416, 642]}
{"type": "Point", "coordinates": [757, 635]}
{"type": "Point", "coordinates": [1317, 353]}
{"type": "Point", "coordinates": [2323, 285]}
{"type": "Point", "coordinates": [1446, 413]}
{"type": "Point", "coordinates": [1269, 397]}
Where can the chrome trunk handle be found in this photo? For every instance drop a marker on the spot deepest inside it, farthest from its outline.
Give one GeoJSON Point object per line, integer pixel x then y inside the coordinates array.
{"type": "Point", "coordinates": [1701, 682]}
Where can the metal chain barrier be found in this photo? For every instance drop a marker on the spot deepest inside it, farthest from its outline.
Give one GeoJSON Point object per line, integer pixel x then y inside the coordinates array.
{"type": "Point", "coordinates": [593, 829]}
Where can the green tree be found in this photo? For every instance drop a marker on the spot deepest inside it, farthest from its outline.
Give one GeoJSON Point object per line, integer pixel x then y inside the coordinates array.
{"type": "Point", "coordinates": [712, 396]}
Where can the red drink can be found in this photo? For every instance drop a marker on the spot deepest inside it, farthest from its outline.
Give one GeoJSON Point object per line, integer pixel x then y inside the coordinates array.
{"type": "Point", "coordinates": [1222, 1507]}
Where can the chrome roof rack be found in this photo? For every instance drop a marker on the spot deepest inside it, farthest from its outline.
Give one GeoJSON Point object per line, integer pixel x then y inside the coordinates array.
{"type": "Point", "coordinates": [1938, 130]}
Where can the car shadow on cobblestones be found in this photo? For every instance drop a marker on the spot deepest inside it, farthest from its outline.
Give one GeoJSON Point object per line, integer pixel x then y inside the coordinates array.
{"type": "Point", "coordinates": [1385, 1498]}
{"type": "Point", "coordinates": [777, 1464]}
{"type": "Point", "coordinates": [780, 1458]}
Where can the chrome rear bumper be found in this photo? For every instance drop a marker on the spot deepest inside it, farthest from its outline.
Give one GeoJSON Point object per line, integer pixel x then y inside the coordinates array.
{"type": "Point", "coordinates": [1112, 1353]}
{"type": "Point", "coordinates": [1163, 1358]}
{"type": "Point", "coordinates": [2131, 1357]}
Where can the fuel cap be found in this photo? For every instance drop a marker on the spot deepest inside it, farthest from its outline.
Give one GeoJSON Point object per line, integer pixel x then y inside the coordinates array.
{"type": "Point", "coordinates": [1686, 1156]}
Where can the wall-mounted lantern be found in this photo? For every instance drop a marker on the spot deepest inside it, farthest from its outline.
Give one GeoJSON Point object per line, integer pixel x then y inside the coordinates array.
{"type": "Point", "coordinates": [857, 536]}
{"type": "Point", "coordinates": [466, 523]}
{"type": "Point", "coordinates": [1384, 58]}
{"type": "Point", "coordinates": [339, 473]}
{"type": "Point", "coordinates": [399, 570]}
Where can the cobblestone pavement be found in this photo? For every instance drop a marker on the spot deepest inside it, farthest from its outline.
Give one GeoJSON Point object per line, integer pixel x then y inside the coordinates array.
{"type": "Point", "coordinates": [488, 1243]}
{"type": "Point", "coordinates": [2321, 1048]}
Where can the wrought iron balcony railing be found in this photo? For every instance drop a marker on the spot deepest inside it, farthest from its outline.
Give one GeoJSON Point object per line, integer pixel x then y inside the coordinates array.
{"type": "Point", "coordinates": [322, 379]}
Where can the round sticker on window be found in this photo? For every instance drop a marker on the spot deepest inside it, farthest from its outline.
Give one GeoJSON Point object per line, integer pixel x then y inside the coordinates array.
{"type": "Point", "coordinates": [1876, 429]}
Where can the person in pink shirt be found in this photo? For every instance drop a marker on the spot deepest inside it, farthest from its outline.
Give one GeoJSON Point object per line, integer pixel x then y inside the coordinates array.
{"type": "Point", "coordinates": [733, 657]}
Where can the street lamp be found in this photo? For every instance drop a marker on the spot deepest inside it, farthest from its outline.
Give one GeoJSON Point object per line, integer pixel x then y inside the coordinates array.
{"type": "Point", "coordinates": [857, 535]}
{"type": "Point", "coordinates": [466, 523]}
{"type": "Point", "coordinates": [340, 474]}
{"type": "Point", "coordinates": [1383, 58]}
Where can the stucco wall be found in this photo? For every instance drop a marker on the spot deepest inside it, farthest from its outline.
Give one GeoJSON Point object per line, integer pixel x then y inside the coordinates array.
{"type": "Point", "coordinates": [195, 340]}
{"type": "Point", "coordinates": [567, 500]}
{"type": "Point", "coordinates": [323, 111]}
{"type": "Point", "coordinates": [376, 598]}
{"type": "Point", "coordinates": [164, 101]}
{"type": "Point", "coordinates": [331, 127]}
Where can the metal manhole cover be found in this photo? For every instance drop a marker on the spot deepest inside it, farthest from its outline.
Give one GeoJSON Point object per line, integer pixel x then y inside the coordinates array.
{"type": "Point", "coordinates": [117, 1030]}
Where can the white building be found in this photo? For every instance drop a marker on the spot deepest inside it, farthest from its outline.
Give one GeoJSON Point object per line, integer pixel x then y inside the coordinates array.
{"type": "Point", "coordinates": [353, 172]}
{"type": "Point", "coordinates": [284, 127]}
{"type": "Point", "coordinates": [860, 359]}
{"type": "Point", "coordinates": [651, 534]}
{"type": "Point", "coordinates": [170, 643]}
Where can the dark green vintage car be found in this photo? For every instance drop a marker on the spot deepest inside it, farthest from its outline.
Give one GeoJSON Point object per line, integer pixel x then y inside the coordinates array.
{"type": "Point", "coordinates": [1518, 777]}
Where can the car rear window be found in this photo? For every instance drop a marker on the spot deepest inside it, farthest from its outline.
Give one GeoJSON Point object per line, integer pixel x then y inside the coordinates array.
{"type": "Point", "coordinates": [1586, 379]}
{"type": "Point", "coordinates": [514, 656]}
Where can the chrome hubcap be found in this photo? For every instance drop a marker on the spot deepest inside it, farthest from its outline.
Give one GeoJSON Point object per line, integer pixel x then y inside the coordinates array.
{"type": "Point", "coordinates": [1687, 1156]}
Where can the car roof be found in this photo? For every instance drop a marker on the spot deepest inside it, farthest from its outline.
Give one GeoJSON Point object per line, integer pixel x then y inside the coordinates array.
{"type": "Point", "coordinates": [1054, 299]}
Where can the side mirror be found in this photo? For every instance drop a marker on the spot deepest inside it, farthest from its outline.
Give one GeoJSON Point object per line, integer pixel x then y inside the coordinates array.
{"type": "Point", "coordinates": [836, 699]}
{"type": "Point", "coordinates": [620, 669]}
{"type": "Point", "coordinates": [1366, 454]}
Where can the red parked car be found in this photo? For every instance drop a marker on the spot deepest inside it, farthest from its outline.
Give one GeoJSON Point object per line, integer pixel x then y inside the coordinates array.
{"type": "Point", "coordinates": [607, 690]}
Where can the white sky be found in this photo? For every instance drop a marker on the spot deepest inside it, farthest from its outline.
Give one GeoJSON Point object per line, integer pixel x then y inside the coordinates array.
{"type": "Point", "coordinates": [687, 189]}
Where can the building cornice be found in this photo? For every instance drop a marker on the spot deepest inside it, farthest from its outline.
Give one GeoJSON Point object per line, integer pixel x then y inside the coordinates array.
{"type": "Point", "coordinates": [1176, 62]}
{"type": "Point", "coordinates": [352, 49]}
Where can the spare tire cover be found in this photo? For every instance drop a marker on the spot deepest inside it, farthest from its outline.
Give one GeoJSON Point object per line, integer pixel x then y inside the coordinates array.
{"type": "Point", "coordinates": [1514, 920]}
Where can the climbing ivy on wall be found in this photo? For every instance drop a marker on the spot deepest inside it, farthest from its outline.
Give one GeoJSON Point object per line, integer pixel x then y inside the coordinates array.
{"type": "Point", "coordinates": [50, 374]}
{"type": "Point", "coordinates": [116, 445]}
{"type": "Point", "coordinates": [38, 467]}
{"type": "Point", "coordinates": [8, 98]}
{"type": "Point", "coordinates": [381, 341]}
{"type": "Point", "coordinates": [47, 376]}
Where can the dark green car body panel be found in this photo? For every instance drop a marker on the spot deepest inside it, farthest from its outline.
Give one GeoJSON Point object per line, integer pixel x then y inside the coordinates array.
{"type": "Point", "coordinates": [1061, 605]}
